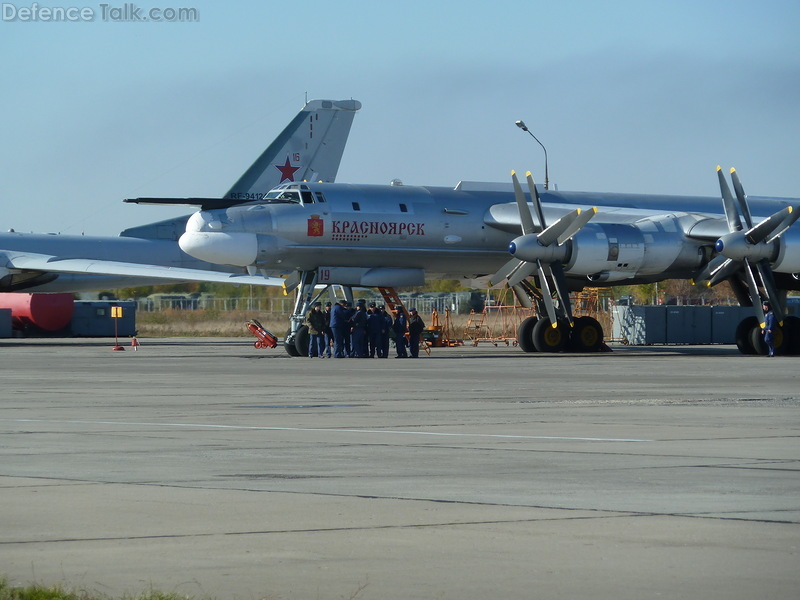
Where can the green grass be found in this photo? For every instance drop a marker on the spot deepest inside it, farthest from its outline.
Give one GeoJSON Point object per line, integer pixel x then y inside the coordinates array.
{"type": "Point", "coordinates": [38, 592]}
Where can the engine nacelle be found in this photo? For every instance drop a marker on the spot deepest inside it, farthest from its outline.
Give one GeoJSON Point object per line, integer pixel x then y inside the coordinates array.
{"type": "Point", "coordinates": [615, 252]}
{"type": "Point", "coordinates": [788, 259]}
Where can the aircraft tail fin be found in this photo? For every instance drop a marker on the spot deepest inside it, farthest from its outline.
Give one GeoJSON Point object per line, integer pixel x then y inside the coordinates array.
{"type": "Point", "coordinates": [309, 149]}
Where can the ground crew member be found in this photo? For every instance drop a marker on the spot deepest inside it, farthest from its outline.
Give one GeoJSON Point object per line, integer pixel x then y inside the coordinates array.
{"type": "Point", "coordinates": [383, 349]}
{"type": "Point", "coordinates": [340, 326]}
{"type": "Point", "coordinates": [400, 334]}
{"type": "Point", "coordinates": [770, 328]}
{"type": "Point", "coordinates": [328, 330]}
{"type": "Point", "coordinates": [374, 326]}
{"type": "Point", "coordinates": [360, 332]}
{"type": "Point", "coordinates": [415, 327]}
{"type": "Point", "coordinates": [348, 339]}
{"type": "Point", "coordinates": [316, 331]}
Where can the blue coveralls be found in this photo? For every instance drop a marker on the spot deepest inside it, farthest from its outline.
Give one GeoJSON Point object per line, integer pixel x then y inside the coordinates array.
{"type": "Point", "coordinates": [400, 334]}
{"type": "Point", "coordinates": [328, 331]}
{"type": "Point", "coordinates": [770, 326]}
{"type": "Point", "coordinates": [383, 349]}
{"type": "Point", "coordinates": [340, 327]}
{"type": "Point", "coordinates": [374, 326]}
{"type": "Point", "coordinates": [360, 334]}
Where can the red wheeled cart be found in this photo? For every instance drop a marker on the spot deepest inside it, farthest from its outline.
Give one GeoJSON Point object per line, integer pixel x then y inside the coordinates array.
{"type": "Point", "coordinates": [265, 337]}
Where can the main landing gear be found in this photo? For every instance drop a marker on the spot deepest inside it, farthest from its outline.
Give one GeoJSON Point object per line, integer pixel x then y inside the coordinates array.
{"type": "Point", "coordinates": [538, 335]}
{"type": "Point", "coordinates": [750, 341]}
{"type": "Point", "coordinates": [304, 283]}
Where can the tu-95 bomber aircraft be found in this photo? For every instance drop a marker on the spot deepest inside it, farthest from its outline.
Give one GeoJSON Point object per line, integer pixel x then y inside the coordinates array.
{"type": "Point", "coordinates": [544, 244]}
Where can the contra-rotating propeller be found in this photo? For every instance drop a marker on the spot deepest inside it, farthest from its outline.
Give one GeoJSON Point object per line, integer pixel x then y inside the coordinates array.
{"type": "Point", "coordinates": [542, 248]}
{"type": "Point", "coordinates": [740, 249]}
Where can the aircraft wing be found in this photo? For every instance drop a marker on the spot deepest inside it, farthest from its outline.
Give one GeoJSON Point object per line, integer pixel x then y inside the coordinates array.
{"type": "Point", "coordinates": [54, 264]}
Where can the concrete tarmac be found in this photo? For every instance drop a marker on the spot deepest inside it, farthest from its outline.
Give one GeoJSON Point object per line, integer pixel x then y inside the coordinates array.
{"type": "Point", "coordinates": [210, 469]}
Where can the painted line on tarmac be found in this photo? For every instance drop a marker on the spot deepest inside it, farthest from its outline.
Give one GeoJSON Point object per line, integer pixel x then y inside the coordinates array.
{"type": "Point", "coordinates": [315, 429]}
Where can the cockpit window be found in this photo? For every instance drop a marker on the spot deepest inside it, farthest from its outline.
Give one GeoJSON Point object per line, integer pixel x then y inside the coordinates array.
{"type": "Point", "coordinates": [288, 196]}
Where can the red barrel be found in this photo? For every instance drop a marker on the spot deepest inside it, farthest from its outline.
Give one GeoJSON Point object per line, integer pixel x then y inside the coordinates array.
{"type": "Point", "coordinates": [50, 312]}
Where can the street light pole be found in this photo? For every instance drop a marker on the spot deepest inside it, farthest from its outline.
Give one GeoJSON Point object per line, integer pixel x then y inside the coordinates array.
{"type": "Point", "coordinates": [521, 125]}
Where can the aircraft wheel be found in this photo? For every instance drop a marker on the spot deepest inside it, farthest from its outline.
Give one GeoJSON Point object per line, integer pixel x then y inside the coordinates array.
{"type": "Point", "coordinates": [547, 338]}
{"type": "Point", "coordinates": [743, 338]}
{"type": "Point", "coordinates": [301, 341]}
{"type": "Point", "coordinates": [587, 335]}
{"type": "Point", "coordinates": [791, 335]}
{"type": "Point", "coordinates": [757, 340]}
{"type": "Point", "coordinates": [525, 334]}
{"type": "Point", "coordinates": [760, 346]}
{"type": "Point", "coordinates": [290, 347]}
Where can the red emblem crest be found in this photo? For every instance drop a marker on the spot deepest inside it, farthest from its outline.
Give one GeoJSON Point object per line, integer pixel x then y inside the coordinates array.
{"type": "Point", "coordinates": [316, 226]}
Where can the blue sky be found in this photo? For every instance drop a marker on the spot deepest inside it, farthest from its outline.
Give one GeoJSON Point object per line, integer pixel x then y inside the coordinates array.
{"type": "Point", "coordinates": [628, 96]}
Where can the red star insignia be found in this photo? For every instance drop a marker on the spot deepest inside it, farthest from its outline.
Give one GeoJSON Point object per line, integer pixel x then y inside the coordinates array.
{"type": "Point", "coordinates": [287, 171]}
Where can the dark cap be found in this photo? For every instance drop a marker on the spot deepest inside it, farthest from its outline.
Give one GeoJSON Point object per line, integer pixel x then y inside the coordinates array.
{"type": "Point", "coordinates": [317, 303]}
{"type": "Point", "coordinates": [412, 310]}
{"type": "Point", "coordinates": [327, 304]}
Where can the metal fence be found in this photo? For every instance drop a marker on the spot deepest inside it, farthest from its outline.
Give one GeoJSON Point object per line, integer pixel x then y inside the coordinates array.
{"type": "Point", "coordinates": [424, 303]}
{"type": "Point", "coordinates": [261, 305]}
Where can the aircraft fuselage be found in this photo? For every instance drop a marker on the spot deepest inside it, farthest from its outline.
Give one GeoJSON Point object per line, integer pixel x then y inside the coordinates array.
{"type": "Point", "coordinates": [399, 235]}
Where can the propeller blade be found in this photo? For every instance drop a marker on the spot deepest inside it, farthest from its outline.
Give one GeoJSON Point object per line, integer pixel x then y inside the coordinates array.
{"type": "Point", "coordinates": [505, 271]}
{"type": "Point", "coordinates": [725, 271]}
{"type": "Point", "coordinates": [769, 225]}
{"type": "Point", "coordinates": [523, 298]}
{"type": "Point", "coordinates": [705, 274]}
{"type": "Point", "coordinates": [742, 198]}
{"type": "Point", "coordinates": [547, 295]}
{"type": "Point", "coordinates": [537, 202]}
{"type": "Point", "coordinates": [552, 233]}
{"type": "Point", "coordinates": [752, 288]}
{"type": "Point", "coordinates": [577, 225]}
{"type": "Point", "coordinates": [788, 222]}
{"type": "Point", "coordinates": [525, 217]}
{"type": "Point", "coordinates": [524, 271]}
{"type": "Point", "coordinates": [291, 283]}
{"type": "Point", "coordinates": [731, 212]}
{"type": "Point", "coordinates": [560, 282]}
{"type": "Point", "coordinates": [530, 289]}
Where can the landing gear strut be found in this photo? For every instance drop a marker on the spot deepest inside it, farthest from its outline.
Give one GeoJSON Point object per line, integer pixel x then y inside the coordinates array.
{"type": "Point", "coordinates": [296, 340]}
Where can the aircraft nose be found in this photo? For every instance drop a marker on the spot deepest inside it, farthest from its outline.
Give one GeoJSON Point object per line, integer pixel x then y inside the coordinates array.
{"type": "Point", "coordinates": [238, 249]}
